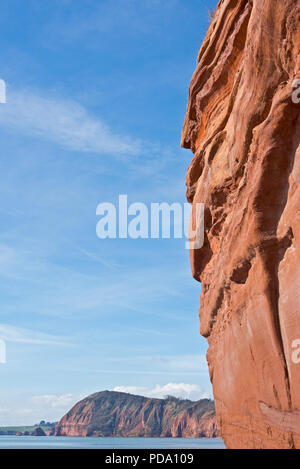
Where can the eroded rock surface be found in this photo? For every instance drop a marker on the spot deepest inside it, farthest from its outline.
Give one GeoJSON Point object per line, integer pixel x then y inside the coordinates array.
{"type": "Point", "coordinates": [243, 126]}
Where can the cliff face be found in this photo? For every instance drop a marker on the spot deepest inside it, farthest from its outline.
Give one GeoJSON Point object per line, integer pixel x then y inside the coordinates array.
{"type": "Point", "coordinates": [112, 413]}
{"type": "Point", "coordinates": [243, 126]}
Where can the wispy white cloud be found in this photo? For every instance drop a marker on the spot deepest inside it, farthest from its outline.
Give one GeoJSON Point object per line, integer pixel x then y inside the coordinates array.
{"type": "Point", "coordinates": [97, 258]}
{"type": "Point", "coordinates": [26, 336]}
{"type": "Point", "coordinates": [64, 291]}
{"type": "Point", "coordinates": [8, 256]}
{"type": "Point", "coordinates": [174, 366]}
{"type": "Point", "coordinates": [70, 125]}
{"type": "Point", "coordinates": [64, 122]}
{"type": "Point", "coordinates": [29, 410]}
{"type": "Point", "coordinates": [64, 401]}
{"type": "Point", "coordinates": [110, 14]}
{"type": "Point", "coordinates": [182, 362]}
{"type": "Point", "coordinates": [171, 363]}
{"type": "Point", "coordinates": [182, 390]}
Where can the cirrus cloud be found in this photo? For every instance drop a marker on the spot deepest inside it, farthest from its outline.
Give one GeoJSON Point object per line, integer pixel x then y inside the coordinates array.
{"type": "Point", "coordinates": [64, 122]}
{"type": "Point", "coordinates": [193, 392]}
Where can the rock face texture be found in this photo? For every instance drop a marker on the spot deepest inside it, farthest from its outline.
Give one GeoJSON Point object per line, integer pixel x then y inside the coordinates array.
{"type": "Point", "coordinates": [243, 126]}
{"type": "Point", "coordinates": [115, 414]}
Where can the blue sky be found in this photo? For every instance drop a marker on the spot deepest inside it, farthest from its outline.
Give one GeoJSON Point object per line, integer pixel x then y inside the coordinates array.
{"type": "Point", "coordinates": [96, 97]}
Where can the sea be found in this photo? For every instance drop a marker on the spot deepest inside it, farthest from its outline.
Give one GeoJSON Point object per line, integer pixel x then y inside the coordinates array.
{"type": "Point", "coordinates": [62, 442]}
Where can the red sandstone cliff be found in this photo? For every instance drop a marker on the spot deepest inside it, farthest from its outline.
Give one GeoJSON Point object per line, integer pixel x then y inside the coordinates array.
{"type": "Point", "coordinates": [244, 128]}
{"type": "Point", "coordinates": [113, 414]}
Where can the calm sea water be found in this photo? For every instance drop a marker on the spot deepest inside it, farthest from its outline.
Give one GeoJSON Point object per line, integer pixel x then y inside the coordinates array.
{"type": "Point", "coordinates": [61, 442]}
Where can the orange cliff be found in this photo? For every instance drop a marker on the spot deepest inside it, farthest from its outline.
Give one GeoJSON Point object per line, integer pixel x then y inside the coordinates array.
{"type": "Point", "coordinates": [243, 126]}
{"type": "Point", "coordinates": [119, 414]}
